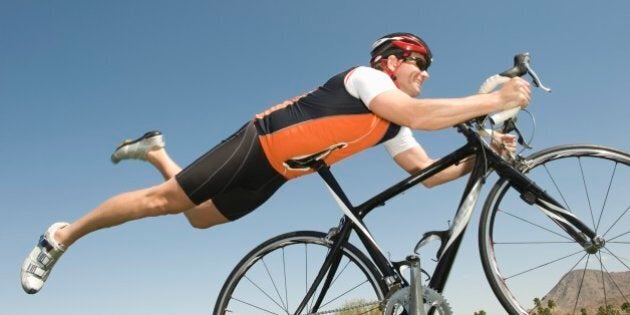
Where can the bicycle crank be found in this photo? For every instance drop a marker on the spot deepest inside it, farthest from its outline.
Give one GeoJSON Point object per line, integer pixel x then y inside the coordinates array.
{"type": "Point", "coordinates": [399, 302]}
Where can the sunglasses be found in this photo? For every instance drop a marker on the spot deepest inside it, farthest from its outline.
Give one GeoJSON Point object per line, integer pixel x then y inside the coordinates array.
{"type": "Point", "coordinates": [420, 62]}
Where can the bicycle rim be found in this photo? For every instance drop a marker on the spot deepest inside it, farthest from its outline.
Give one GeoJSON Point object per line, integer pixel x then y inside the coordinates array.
{"type": "Point", "coordinates": [274, 278]}
{"type": "Point", "coordinates": [526, 256]}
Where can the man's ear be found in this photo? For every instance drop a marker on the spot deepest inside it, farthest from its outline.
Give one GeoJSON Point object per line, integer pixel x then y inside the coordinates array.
{"type": "Point", "coordinates": [392, 62]}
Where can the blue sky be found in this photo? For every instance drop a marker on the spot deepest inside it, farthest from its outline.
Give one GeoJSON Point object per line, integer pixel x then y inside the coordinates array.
{"type": "Point", "coordinates": [77, 77]}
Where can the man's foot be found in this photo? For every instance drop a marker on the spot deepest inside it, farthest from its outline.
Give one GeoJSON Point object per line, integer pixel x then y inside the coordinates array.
{"type": "Point", "coordinates": [138, 148]}
{"type": "Point", "coordinates": [39, 262]}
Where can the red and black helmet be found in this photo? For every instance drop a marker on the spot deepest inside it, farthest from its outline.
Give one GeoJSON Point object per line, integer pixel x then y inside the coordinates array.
{"type": "Point", "coordinates": [400, 45]}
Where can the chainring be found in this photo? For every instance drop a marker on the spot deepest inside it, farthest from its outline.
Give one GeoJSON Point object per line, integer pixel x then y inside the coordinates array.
{"type": "Point", "coordinates": [399, 302]}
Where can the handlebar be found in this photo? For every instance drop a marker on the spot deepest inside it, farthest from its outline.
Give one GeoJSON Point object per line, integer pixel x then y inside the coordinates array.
{"type": "Point", "coordinates": [521, 67]}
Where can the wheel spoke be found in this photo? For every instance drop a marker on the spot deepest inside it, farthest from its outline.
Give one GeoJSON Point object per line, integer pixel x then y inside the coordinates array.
{"type": "Point", "coordinates": [254, 306]}
{"type": "Point", "coordinates": [263, 292]}
{"type": "Point", "coordinates": [532, 243]}
{"type": "Point", "coordinates": [601, 270]}
{"type": "Point", "coordinates": [617, 257]}
{"type": "Point", "coordinates": [274, 285]}
{"type": "Point", "coordinates": [557, 187]}
{"type": "Point", "coordinates": [588, 197]}
{"type": "Point", "coordinates": [255, 285]}
{"type": "Point", "coordinates": [618, 236]}
{"type": "Point", "coordinates": [581, 283]}
{"type": "Point", "coordinates": [284, 269]}
{"type": "Point", "coordinates": [523, 253]}
{"type": "Point", "coordinates": [329, 286]}
{"type": "Point", "coordinates": [601, 213]}
{"type": "Point", "coordinates": [306, 275]}
{"type": "Point", "coordinates": [615, 223]}
{"type": "Point", "coordinates": [344, 293]}
{"type": "Point", "coordinates": [610, 278]}
{"type": "Point", "coordinates": [536, 225]}
{"type": "Point", "coordinates": [340, 272]}
{"type": "Point", "coordinates": [543, 265]}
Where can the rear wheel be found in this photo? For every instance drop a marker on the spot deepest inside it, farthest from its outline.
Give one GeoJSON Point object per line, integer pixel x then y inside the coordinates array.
{"type": "Point", "coordinates": [526, 256]}
{"type": "Point", "coordinates": [275, 276]}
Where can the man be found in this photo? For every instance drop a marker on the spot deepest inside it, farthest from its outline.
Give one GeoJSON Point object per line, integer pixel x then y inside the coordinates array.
{"type": "Point", "coordinates": [354, 110]}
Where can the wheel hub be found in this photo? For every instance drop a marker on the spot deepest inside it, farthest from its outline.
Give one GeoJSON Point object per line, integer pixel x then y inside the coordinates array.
{"type": "Point", "coordinates": [597, 243]}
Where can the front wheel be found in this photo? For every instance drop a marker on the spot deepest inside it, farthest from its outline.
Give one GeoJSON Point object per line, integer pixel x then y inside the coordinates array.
{"type": "Point", "coordinates": [275, 276]}
{"type": "Point", "coordinates": [531, 263]}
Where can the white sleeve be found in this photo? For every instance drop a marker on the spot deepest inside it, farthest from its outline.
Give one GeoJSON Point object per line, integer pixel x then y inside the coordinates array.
{"type": "Point", "coordinates": [365, 83]}
{"type": "Point", "coordinates": [403, 141]}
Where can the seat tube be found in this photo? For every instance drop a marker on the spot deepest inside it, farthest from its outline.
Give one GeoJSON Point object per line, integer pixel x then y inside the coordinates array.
{"type": "Point", "coordinates": [415, 289]}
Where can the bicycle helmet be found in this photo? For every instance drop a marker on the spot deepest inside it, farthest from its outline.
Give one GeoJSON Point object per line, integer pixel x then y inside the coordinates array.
{"type": "Point", "coordinates": [400, 45]}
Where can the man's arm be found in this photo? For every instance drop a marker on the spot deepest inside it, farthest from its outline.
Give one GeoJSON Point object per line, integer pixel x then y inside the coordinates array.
{"type": "Point", "coordinates": [433, 114]}
{"type": "Point", "coordinates": [415, 159]}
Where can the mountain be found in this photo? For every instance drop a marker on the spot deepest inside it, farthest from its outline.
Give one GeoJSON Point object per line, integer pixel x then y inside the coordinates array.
{"type": "Point", "coordinates": [565, 293]}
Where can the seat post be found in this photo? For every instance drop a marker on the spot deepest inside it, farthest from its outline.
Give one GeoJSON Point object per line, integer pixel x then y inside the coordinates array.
{"type": "Point", "coordinates": [324, 172]}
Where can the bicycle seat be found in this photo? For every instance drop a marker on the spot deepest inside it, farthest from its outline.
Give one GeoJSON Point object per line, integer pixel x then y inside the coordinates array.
{"type": "Point", "coordinates": [308, 162]}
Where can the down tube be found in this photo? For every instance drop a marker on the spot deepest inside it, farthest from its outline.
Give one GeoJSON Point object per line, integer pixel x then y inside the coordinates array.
{"type": "Point", "coordinates": [460, 223]}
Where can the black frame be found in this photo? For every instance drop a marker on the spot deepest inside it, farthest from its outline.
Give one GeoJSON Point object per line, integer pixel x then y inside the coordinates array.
{"type": "Point", "coordinates": [486, 160]}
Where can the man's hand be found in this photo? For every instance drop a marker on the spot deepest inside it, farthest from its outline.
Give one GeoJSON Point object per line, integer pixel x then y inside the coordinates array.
{"type": "Point", "coordinates": [504, 143]}
{"type": "Point", "coordinates": [514, 93]}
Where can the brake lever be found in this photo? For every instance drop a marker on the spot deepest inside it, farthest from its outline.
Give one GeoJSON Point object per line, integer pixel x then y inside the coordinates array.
{"type": "Point", "coordinates": [535, 78]}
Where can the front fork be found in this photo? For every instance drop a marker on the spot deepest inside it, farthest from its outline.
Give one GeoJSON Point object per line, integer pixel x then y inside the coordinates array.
{"type": "Point", "coordinates": [568, 222]}
{"type": "Point", "coordinates": [534, 195]}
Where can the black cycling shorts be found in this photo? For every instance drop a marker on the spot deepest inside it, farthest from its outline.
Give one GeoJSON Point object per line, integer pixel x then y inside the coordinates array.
{"type": "Point", "coordinates": [235, 174]}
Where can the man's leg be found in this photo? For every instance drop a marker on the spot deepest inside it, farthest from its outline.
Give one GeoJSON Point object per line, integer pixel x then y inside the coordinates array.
{"type": "Point", "coordinates": [166, 198]}
{"type": "Point", "coordinates": [202, 216]}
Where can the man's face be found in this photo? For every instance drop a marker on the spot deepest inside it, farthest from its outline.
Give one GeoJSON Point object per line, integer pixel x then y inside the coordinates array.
{"type": "Point", "coordinates": [409, 76]}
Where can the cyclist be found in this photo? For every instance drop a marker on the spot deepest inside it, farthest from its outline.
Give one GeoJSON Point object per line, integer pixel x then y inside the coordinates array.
{"type": "Point", "coordinates": [354, 110]}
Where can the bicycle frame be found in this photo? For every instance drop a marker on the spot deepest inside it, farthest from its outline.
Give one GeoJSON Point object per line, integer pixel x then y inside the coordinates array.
{"type": "Point", "coordinates": [486, 161]}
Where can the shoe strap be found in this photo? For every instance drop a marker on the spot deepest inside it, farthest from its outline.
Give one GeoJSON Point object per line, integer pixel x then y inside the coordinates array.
{"type": "Point", "coordinates": [48, 253]}
{"type": "Point", "coordinates": [37, 271]}
{"type": "Point", "coordinates": [46, 259]}
{"type": "Point", "coordinates": [45, 244]}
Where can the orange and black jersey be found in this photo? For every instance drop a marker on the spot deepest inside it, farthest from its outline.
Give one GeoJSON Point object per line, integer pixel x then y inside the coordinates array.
{"type": "Point", "coordinates": [311, 123]}
{"type": "Point", "coordinates": [245, 169]}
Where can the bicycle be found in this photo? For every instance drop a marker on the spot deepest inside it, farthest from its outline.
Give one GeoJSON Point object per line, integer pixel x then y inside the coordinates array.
{"type": "Point", "coordinates": [520, 222]}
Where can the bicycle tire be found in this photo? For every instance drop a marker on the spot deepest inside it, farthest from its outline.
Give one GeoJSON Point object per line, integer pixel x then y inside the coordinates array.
{"type": "Point", "coordinates": [511, 257]}
{"type": "Point", "coordinates": [268, 293]}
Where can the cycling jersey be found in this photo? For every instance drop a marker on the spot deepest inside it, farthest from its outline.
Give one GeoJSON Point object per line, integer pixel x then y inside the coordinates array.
{"type": "Point", "coordinates": [248, 167]}
{"type": "Point", "coordinates": [335, 114]}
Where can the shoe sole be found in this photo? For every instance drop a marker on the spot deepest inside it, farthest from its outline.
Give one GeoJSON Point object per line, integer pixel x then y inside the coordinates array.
{"type": "Point", "coordinates": [147, 135]}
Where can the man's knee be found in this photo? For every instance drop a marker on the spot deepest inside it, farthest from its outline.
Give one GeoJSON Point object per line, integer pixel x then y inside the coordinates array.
{"type": "Point", "coordinates": [167, 198]}
{"type": "Point", "coordinates": [160, 205]}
